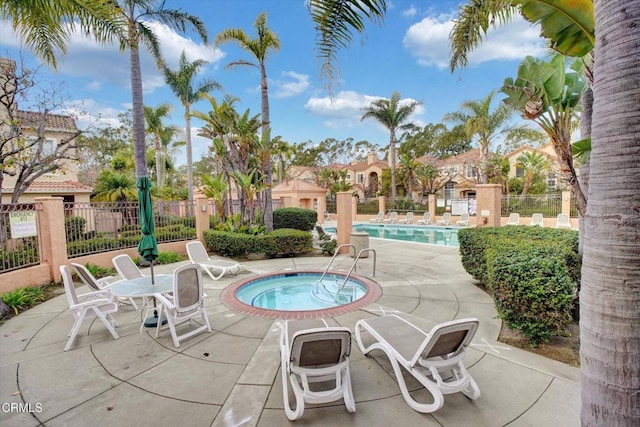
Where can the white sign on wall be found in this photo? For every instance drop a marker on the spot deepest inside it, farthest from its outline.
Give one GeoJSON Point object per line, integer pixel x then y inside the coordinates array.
{"type": "Point", "coordinates": [23, 224]}
{"type": "Point", "coordinates": [459, 206]}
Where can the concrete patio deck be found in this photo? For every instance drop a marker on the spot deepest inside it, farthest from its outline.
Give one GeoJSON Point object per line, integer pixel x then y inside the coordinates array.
{"type": "Point", "coordinates": [231, 377]}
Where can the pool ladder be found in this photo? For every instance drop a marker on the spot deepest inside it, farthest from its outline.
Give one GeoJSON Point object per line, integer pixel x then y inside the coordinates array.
{"type": "Point", "coordinates": [351, 270]}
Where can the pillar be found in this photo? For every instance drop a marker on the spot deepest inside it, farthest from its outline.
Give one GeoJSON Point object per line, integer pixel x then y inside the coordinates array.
{"type": "Point", "coordinates": [431, 201]}
{"type": "Point", "coordinates": [382, 202]}
{"type": "Point", "coordinates": [53, 237]}
{"type": "Point", "coordinates": [344, 205]}
{"type": "Point", "coordinates": [566, 202]}
{"type": "Point", "coordinates": [322, 207]}
{"type": "Point", "coordinates": [489, 198]}
{"type": "Point", "coordinates": [354, 208]}
{"type": "Point", "coordinates": [202, 215]}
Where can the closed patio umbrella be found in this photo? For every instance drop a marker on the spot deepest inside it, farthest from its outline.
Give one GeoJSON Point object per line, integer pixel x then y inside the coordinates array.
{"type": "Point", "coordinates": [148, 247]}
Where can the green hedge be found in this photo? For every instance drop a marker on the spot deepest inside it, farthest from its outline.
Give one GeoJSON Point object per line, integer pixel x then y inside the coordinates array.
{"type": "Point", "coordinates": [296, 218]}
{"type": "Point", "coordinates": [283, 241]}
{"type": "Point", "coordinates": [531, 286]}
{"type": "Point", "coordinates": [532, 273]}
{"type": "Point", "coordinates": [74, 228]}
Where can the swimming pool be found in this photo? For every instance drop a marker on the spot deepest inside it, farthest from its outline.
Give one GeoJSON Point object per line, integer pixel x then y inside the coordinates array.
{"type": "Point", "coordinates": [445, 236]}
{"type": "Point", "coordinates": [278, 295]}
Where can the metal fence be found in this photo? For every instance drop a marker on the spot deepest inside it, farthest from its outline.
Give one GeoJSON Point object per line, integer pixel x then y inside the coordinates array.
{"type": "Point", "coordinates": [100, 227]}
{"type": "Point", "coordinates": [549, 205]}
{"type": "Point", "coordinates": [19, 231]}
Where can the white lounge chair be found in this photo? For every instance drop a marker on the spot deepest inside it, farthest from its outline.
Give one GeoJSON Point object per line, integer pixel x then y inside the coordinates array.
{"type": "Point", "coordinates": [378, 218]}
{"type": "Point", "coordinates": [426, 219]}
{"type": "Point", "coordinates": [97, 304]}
{"type": "Point", "coordinates": [464, 220]}
{"type": "Point", "coordinates": [186, 304]}
{"type": "Point", "coordinates": [446, 219]}
{"type": "Point", "coordinates": [408, 219]}
{"type": "Point", "coordinates": [537, 220]}
{"type": "Point", "coordinates": [198, 255]}
{"type": "Point", "coordinates": [563, 221]}
{"type": "Point", "coordinates": [102, 284]}
{"type": "Point", "coordinates": [393, 218]}
{"type": "Point", "coordinates": [313, 352]}
{"type": "Point", "coordinates": [426, 356]}
{"type": "Point", "coordinates": [126, 268]}
{"type": "Point", "coordinates": [514, 219]}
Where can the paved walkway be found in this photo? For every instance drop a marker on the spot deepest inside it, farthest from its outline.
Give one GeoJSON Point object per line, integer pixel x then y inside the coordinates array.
{"type": "Point", "coordinates": [231, 377]}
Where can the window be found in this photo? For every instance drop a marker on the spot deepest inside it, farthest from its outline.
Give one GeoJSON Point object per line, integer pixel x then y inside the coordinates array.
{"type": "Point", "coordinates": [348, 176]}
{"type": "Point", "coordinates": [48, 146]}
{"type": "Point", "coordinates": [448, 190]}
{"type": "Point", "coordinates": [519, 172]}
{"type": "Point", "coordinates": [360, 178]}
{"type": "Point", "coordinates": [471, 171]}
{"type": "Point", "coordinates": [551, 181]}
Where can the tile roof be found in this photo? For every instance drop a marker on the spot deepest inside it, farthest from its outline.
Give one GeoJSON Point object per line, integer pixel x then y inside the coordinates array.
{"type": "Point", "coordinates": [53, 122]}
{"type": "Point", "coordinates": [54, 187]}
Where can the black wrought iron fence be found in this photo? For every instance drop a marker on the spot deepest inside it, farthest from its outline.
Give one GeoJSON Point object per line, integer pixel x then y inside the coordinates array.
{"type": "Point", "coordinates": [101, 227]}
{"type": "Point", "coordinates": [19, 235]}
{"type": "Point", "coordinates": [549, 205]}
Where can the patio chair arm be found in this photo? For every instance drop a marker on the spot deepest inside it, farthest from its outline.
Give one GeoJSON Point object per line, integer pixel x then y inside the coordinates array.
{"type": "Point", "coordinates": [103, 294]}
{"type": "Point", "coordinates": [89, 303]}
{"type": "Point", "coordinates": [107, 280]}
{"type": "Point", "coordinates": [164, 301]}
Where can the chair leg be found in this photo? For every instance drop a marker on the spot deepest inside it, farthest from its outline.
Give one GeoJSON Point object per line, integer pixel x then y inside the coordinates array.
{"type": "Point", "coordinates": [208, 270]}
{"type": "Point", "coordinates": [349, 400]}
{"type": "Point", "coordinates": [75, 328]}
{"type": "Point", "coordinates": [106, 322]}
{"type": "Point", "coordinates": [292, 414]}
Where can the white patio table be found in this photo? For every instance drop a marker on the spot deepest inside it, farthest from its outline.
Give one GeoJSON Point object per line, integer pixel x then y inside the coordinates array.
{"type": "Point", "coordinates": [141, 287]}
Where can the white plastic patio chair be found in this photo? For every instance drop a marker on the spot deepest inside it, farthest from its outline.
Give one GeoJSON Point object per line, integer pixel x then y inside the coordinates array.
{"type": "Point", "coordinates": [537, 220]}
{"type": "Point", "coordinates": [446, 219]}
{"type": "Point", "coordinates": [126, 268]}
{"type": "Point", "coordinates": [198, 255]}
{"type": "Point", "coordinates": [408, 219]}
{"type": "Point", "coordinates": [102, 284]}
{"type": "Point", "coordinates": [464, 220]}
{"type": "Point", "coordinates": [514, 219]}
{"type": "Point", "coordinates": [187, 303]}
{"type": "Point", "coordinates": [97, 304]}
{"type": "Point", "coordinates": [426, 219]}
{"type": "Point", "coordinates": [426, 356]}
{"type": "Point", "coordinates": [312, 352]}
{"type": "Point", "coordinates": [378, 218]}
{"type": "Point", "coordinates": [563, 221]}
{"type": "Point", "coordinates": [393, 218]}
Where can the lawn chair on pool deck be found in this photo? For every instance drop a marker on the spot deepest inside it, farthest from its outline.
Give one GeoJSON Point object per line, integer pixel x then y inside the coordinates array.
{"type": "Point", "coordinates": [426, 219]}
{"type": "Point", "coordinates": [514, 219]}
{"type": "Point", "coordinates": [378, 218]}
{"type": "Point", "coordinates": [464, 220]}
{"type": "Point", "coordinates": [313, 352]}
{"type": "Point", "coordinates": [537, 220]}
{"type": "Point", "coordinates": [563, 221]}
{"type": "Point", "coordinates": [393, 218]}
{"type": "Point", "coordinates": [408, 219]}
{"type": "Point", "coordinates": [425, 356]}
{"type": "Point", "coordinates": [198, 255]}
{"type": "Point", "coordinates": [446, 219]}
{"type": "Point", "coordinates": [87, 306]}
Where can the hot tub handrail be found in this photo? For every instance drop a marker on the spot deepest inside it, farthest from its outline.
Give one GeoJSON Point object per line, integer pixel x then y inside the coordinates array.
{"type": "Point", "coordinates": [353, 266]}
{"type": "Point", "coordinates": [335, 254]}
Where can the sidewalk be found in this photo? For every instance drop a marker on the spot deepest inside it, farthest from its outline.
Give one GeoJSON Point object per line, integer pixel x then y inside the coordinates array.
{"type": "Point", "coordinates": [231, 377]}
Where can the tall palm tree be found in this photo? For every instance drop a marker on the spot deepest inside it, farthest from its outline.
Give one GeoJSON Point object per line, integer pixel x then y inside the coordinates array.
{"type": "Point", "coordinates": [409, 164]}
{"type": "Point", "coordinates": [484, 125]}
{"type": "Point", "coordinates": [259, 48]}
{"type": "Point", "coordinates": [532, 163]}
{"type": "Point", "coordinates": [181, 83]}
{"type": "Point", "coordinates": [153, 117]}
{"type": "Point", "coordinates": [610, 287]}
{"type": "Point", "coordinates": [394, 115]}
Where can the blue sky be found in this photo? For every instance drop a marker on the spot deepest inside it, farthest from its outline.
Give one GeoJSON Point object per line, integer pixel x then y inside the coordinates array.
{"type": "Point", "coordinates": [408, 53]}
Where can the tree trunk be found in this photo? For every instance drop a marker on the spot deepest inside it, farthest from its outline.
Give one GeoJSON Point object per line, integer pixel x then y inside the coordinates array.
{"type": "Point", "coordinates": [187, 121]}
{"type": "Point", "coordinates": [392, 161]}
{"type": "Point", "coordinates": [610, 290]}
{"type": "Point", "coordinates": [138, 104]}
{"type": "Point", "coordinates": [266, 124]}
{"type": "Point", "coordinates": [585, 132]}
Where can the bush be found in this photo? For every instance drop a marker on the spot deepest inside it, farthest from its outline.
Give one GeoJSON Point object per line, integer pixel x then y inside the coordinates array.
{"type": "Point", "coordinates": [531, 286]}
{"type": "Point", "coordinates": [266, 244]}
{"type": "Point", "coordinates": [229, 244]}
{"type": "Point", "coordinates": [292, 242]}
{"type": "Point", "coordinates": [23, 298]}
{"type": "Point", "coordinates": [101, 244]}
{"type": "Point", "coordinates": [74, 227]}
{"type": "Point", "coordinates": [98, 271]}
{"type": "Point", "coordinates": [327, 244]}
{"type": "Point", "coordinates": [296, 218]}
{"type": "Point", "coordinates": [168, 258]}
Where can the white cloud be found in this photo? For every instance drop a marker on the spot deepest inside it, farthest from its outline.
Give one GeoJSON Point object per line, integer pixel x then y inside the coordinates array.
{"type": "Point", "coordinates": [345, 109]}
{"type": "Point", "coordinates": [411, 12]}
{"type": "Point", "coordinates": [428, 40]}
{"type": "Point", "coordinates": [106, 64]}
{"type": "Point", "coordinates": [285, 89]}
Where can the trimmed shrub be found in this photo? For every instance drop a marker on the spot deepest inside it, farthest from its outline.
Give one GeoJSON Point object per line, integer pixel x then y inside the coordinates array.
{"type": "Point", "coordinates": [292, 242]}
{"type": "Point", "coordinates": [296, 218]}
{"type": "Point", "coordinates": [266, 244]}
{"type": "Point", "coordinates": [229, 244]}
{"type": "Point", "coordinates": [532, 286]}
{"type": "Point", "coordinates": [168, 258]}
{"type": "Point", "coordinates": [473, 243]}
{"type": "Point", "coordinates": [93, 245]}
{"type": "Point", "coordinates": [74, 228]}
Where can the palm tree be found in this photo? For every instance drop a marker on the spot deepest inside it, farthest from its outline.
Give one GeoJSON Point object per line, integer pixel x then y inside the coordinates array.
{"type": "Point", "coordinates": [153, 117]}
{"type": "Point", "coordinates": [533, 164]}
{"type": "Point", "coordinates": [409, 165]}
{"type": "Point", "coordinates": [259, 48]}
{"type": "Point", "coordinates": [181, 83]}
{"type": "Point", "coordinates": [393, 115]}
{"type": "Point", "coordinates": [610, 286]}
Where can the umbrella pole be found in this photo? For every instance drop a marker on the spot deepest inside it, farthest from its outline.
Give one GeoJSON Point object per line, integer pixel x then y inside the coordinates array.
{"type": "Point", "coordinates": [152, 322]}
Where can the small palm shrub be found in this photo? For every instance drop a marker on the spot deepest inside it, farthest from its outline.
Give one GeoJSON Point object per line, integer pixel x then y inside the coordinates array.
{"type": "Point", "coordinates": [23, 298]}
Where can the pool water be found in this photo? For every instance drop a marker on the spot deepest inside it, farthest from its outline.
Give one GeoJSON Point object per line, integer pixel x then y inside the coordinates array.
{"type": "Point", "coordinates": [300, 291]}
{"type": "Point", "coordinates": [445, 236]}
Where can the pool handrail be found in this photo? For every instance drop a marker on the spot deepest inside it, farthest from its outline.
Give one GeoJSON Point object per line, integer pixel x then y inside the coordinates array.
{"type": "Point", "coordinates": [335, 254]}
{"type": "Point", "coordinates": [353, 266]}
